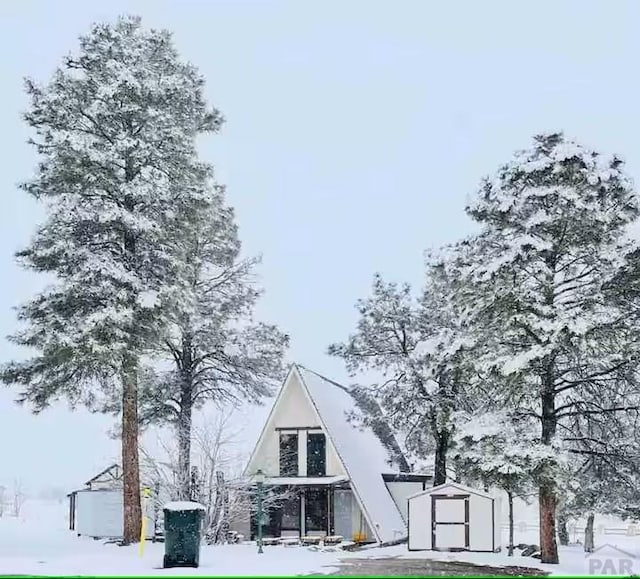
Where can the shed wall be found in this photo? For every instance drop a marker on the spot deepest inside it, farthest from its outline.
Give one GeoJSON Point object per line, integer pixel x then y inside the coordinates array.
{"type": "Point", "coordinates": [100, 514]}
{"type": "Point", "coordinates": [497, 521]}
{"type": "Point", "coordinates": [480, 523]}
{"type": "Point", "coordinates": [484, 521]}
{"type": "Point", "coordinates": [419, 513]}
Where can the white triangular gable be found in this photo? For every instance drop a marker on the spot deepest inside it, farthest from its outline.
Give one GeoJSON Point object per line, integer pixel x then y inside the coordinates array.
{"type": "Point", "coordinates": [293, 409]}
{"type": "Point", "coordinates": [451, 485]}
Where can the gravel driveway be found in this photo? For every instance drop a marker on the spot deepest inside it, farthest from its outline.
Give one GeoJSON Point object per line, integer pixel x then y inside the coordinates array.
{"type": "Point", "coordinates": [422, 567]}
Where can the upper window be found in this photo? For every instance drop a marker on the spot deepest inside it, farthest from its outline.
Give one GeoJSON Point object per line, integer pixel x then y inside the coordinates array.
{"type": "Point", "coordinates": [288, 454]}
{"type": "Point", "coordinates": [316, 454]}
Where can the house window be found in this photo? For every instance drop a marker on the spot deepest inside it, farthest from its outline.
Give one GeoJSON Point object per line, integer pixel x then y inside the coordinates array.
{"type": "Point", "coordinates": [291, 512]}
{"type": "Point", "coordinates": [316, 510]}
{"type": "Point", "coordinates": [316, 454]}
{"type": "Point", "coordinates": [288, 454]}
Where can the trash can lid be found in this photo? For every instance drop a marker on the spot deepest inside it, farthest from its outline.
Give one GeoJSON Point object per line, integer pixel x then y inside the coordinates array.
{"type": "Point", "coordinates": [183, 506]}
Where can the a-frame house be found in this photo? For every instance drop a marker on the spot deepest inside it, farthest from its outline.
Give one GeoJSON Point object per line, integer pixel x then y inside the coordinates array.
{"type": "Point", "coordinates": [339, 476]}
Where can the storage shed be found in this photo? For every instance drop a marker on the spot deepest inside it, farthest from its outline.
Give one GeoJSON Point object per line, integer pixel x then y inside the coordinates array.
{"type": "Point", "coordinates": [97, 510]}
{"type": "Point", "coordinates": [99, 513]}
{"type": "Point", "coordinates": [453, 517]}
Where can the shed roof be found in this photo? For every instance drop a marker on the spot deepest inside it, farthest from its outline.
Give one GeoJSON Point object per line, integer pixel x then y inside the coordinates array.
{"type": "Point", "coordinates": [458, 486]}
{"type": "Point", "coordinates": [114, 467]}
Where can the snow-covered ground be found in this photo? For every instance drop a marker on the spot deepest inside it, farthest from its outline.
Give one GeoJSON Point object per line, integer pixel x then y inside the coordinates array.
{"type": "Point", "coordinates": [608, 560]}
{"type": "Point", "coordinates": [38, 543]}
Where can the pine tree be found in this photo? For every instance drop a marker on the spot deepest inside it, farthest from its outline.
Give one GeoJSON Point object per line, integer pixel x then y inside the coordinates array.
{"type": "Point", "coordinates": [218, 352]}
{"type": "Point", "coordinates": [422, 354]}
{"type": "Point", "coordinates": [500, 449]}
{"type": "Point", "coordinates": [605, 466]}
{"type": "Point", "coordinates": [540, 281]}
{"type": "Point", "coordinates": [115, 130]}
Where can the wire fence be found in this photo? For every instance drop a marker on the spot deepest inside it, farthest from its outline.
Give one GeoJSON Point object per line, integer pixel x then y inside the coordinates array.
{"type": "Point", "coordinates": [576, 531]}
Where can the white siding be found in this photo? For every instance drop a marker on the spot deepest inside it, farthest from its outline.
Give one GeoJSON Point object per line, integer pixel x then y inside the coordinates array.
{"type": "Point", "coordinates": [420, 522]}
{"type": "Point", "coordinates": [334, 464]}
{"type": "Point", "coordinates": [100, 514]}
{"type": "Point", "coordinates": [480, 523]}
{"type": "Point", "coordinates": [484, 520]}
{"type": "Point", "coordinates": [302, 453]}
{"type": "Point", "coordinates": [401, 491]}
{"type": "Point", "coordinates": [268, 457]}
{"type": "Point", "coordinates": [294, 410]}
{"type": "Point", "coordinates": [497, 529]}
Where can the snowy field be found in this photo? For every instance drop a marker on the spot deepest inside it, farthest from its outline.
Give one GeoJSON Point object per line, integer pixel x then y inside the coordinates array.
{"type": "Point", "coordinates": [38, 543]}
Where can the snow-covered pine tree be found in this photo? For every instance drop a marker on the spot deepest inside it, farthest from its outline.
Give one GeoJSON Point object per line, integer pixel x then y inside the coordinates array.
{"type": "Point", "coordinates": [418, 347]}
{"type": "Point", "coordinates": [219, 353]}
{"type": "Point", "coordinates": [541, 294]}
{"type": "Point", "coordinates": [115, 130]}
{"type": "Point", "coordinates": [500, 449]}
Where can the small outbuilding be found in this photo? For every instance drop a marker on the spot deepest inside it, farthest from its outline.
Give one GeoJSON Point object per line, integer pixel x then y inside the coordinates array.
{"type": "Point", "coordinates": [453, 517]}
{"type": "Point", "coordinates": [97, 509]}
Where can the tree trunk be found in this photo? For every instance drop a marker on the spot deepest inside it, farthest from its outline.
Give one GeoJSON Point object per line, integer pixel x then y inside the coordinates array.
{"type": "Point", "coordinates": [132, 506]}
{"type": "Point", "coordinates": [225, 527]}
{"type": "Point", "coordinates": [442, 446]}
{"type": "Point", "coordinates": [184, 453]}
{"type": "Point", "coordinates": [547, 489]}
{"type": "Point", "coordinates": [195, 486]}
{"type": "Point", "coordinates": [156, 509]}
{"type": "Point", "coordinates": [217, 517]}
{"type": "Point", "coordinates": [510, 498]}
{"type": "Point", "coordinates": [130, 461]}
{"type": "Point", "coordinates": [563, 533]}
{"type": "Point", "coordinates": [588, 534]}
{"type": "Point", "coordinates": [185, 420]}
{"type": "Point", "coordinates": [548, 546]}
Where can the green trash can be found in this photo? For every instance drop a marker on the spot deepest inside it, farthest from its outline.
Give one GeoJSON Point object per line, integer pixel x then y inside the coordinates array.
{"type": "Point", "coordinates": [182, 534]}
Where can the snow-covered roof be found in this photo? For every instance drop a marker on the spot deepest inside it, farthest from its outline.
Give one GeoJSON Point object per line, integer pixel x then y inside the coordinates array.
{"type": "Point", "coordinates": [457, 486]}
{"type": "Point", "coordinates": [364, 456]}
{"type": "Point", "coordinates": [183, 506]}
{"type": "Point", "coordinates": [113, 470]}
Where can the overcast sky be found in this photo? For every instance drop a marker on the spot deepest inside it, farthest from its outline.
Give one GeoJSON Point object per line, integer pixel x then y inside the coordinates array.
{"type": "Point", "coordinates": [355, 131]}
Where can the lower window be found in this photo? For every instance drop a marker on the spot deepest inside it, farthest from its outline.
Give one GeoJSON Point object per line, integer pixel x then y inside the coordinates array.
{"type": "Point", "coordinates": [316, 510]}
{"type": "Point", "coordinates": [291, 512]}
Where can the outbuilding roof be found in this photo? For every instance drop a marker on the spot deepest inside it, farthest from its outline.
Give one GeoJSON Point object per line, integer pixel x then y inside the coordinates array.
{"type": "Point", "coordinates": [438, 490]}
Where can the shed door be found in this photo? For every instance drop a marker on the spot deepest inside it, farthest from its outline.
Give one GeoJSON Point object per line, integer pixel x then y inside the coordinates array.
{"type": "Point", "coordinates": [450, 522]}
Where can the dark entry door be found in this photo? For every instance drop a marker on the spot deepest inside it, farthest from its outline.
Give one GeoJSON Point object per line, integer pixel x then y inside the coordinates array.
{"type": "Point", "coordinates": [450, 522]}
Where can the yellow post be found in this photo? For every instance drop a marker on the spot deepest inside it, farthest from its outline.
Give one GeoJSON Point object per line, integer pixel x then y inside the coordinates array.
{"type": "Point", "coordinates": [146, 493]}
